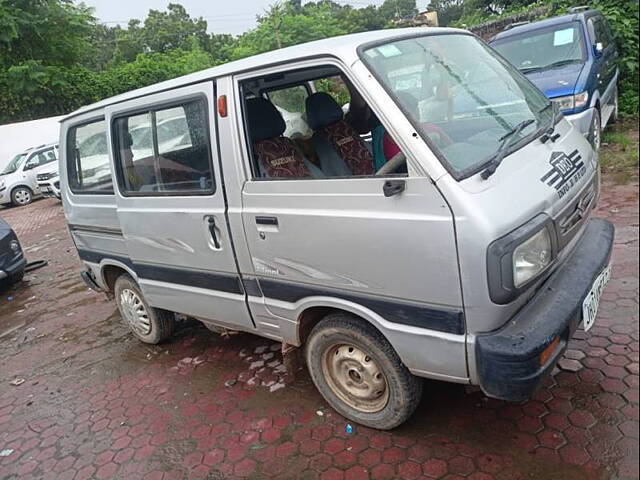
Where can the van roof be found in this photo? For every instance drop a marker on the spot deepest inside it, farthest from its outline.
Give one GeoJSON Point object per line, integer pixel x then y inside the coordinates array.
{"type": "Point", "coordinates": [342, 47]}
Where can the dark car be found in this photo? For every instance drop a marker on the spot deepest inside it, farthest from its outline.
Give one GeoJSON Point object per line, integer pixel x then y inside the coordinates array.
{"type": "Point", "coordinates": [573, 60]}
{"type": "Point", "coordinates": [12, 260]}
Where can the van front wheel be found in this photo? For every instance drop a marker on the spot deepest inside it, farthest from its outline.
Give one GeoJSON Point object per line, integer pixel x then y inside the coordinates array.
{"type": "Point", "coordinates": [150, 325]}
{"type": "Point", "coordinates": [358, 372]}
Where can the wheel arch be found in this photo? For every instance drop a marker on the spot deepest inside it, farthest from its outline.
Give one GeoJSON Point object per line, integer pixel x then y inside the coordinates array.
{"type": "Point", "coordinates": [110, 270]}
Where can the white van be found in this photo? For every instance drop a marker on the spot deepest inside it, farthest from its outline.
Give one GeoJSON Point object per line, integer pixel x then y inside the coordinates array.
{"type": "Point", "coordinates": [18, 180]}
{"type": "Point", "coordinates": [440, 229]}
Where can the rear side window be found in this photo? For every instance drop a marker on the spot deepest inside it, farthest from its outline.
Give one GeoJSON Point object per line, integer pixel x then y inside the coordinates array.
{"type": "Point", "coordinates": [165, 151]}
{"type": "Point", "coordinates": [88, 159]}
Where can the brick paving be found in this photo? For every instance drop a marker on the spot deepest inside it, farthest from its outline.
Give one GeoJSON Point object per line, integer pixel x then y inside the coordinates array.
{"type": "Point", "coordinates": [97, 404]}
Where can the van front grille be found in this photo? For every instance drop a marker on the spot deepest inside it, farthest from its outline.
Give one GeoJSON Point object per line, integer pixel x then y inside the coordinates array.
{"type": "Point", "coordinates": [575, 214]}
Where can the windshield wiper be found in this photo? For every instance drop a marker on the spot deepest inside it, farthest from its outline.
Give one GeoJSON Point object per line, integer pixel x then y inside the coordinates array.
{"type": "Point", "coordinates": [559, 63]}
{"type": "Point", "coordinates": [507, 141]}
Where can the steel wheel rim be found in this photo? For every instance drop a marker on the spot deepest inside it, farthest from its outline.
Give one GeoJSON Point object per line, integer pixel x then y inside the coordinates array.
{"type": "Point", "coordinates": [355, 377]}
{"type": "Point", "coordinates": [22, 196]}
{"type": "Point", "coordinates": [134, 312]}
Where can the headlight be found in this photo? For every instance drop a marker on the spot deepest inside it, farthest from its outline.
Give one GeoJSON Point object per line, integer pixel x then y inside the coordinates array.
{"type": "Point", "coordinates": [15, 246]}
{"type": "Point", "coordinates": [519, 257]}
{"type": "Point", "coordinates": [531, 257]}
{"type": "Point", "coordinates": [571, 102]}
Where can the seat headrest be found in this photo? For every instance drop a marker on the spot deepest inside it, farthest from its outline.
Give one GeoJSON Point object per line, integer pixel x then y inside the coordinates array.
{"type": "Point", "coordinates": [264, 119]}
{"type": "Point", "coordinates": [322, 110]}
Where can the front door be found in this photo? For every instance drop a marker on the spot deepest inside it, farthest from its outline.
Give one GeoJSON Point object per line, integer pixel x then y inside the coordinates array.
{"type": "Point", "coordinates": [383, 244]}
{"type": "Point", "coordinates": [171, 204]}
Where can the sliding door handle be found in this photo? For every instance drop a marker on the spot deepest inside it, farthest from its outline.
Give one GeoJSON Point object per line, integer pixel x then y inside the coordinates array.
{"type": "Point", "coordinates": [212, 231]}
{"type": "Point", "coordinates": [267, 221]}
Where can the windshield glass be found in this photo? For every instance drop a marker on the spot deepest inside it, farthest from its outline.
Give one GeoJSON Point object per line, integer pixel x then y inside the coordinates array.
{"type": "Point", "coordinates": [460, 95]}
{"type": "Point", "coordinates": [544, 48]}
{"type": "Point", "coordinates": [14, 164]}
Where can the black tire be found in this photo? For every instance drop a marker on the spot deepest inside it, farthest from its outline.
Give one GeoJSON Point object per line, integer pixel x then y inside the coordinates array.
{"type": "Point", "coordinates": [342, 330]}
{"type": "Point", "coordinates": [595, 131]}
{"type": "Point", "coordinates": [21, 196]}
{"type": "Point", "coordinates": [160, 322]}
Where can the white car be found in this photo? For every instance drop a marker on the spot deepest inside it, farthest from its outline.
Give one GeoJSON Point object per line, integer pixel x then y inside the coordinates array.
{"type": "Point", "coordinates": [49, 181]}
{"type": "Point", "coordinates": [18, 181]}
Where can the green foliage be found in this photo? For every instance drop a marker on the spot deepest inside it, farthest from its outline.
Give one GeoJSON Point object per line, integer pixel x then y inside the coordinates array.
{"type": "Point", "coordinates": [55, 57]}
{"type": "Point", "coordinates": [53, 32]}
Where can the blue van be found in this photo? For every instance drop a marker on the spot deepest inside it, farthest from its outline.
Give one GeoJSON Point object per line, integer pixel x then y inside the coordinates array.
{"type": "Point", "coordinates": [573, 60]}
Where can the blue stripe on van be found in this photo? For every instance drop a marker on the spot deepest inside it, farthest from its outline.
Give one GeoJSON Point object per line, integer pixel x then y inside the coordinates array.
{"type": "Point", "coordinates": [192, 278]}
{"type": "Point", "coordinates": [395, 311]}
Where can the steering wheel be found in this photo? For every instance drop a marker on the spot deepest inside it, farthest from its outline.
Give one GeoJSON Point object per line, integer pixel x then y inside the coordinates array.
{"type": "Point", "coordinates": [392, 164]}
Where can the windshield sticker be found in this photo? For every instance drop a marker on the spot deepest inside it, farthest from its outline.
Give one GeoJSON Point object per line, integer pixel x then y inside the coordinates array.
{"type": "Point", "coordinates": [566, 171]}
{"type": "Point", "coordinates": [389, 51]}
{"type": "Point", "coordinates": [563, 37]}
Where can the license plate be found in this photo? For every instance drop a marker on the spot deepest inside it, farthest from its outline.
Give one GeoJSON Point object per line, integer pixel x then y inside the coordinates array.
{"type": "Point", "coordinates": [592, 300]}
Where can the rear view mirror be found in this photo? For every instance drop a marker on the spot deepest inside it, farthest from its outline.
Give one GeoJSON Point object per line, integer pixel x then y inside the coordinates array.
{"type": "Point", "coordinates": [598, 48]}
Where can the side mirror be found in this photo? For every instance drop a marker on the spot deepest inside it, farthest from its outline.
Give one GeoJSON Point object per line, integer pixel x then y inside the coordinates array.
{"type": "Point", "coordinates": [598, 48]}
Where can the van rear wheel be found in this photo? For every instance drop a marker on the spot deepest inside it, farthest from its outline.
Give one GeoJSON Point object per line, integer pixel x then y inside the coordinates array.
{"type": "Point", "coordinates": [150, 325]}
{"type": "Point", "coordinates": [358, 372]}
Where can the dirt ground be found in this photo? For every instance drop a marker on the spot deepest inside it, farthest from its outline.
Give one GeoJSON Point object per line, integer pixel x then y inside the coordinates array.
{"type": "Point", "coordinates": [95, 403]}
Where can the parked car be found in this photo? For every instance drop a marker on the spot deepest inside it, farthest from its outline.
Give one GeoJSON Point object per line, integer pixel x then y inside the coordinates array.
{"type": "Point", "coordinates": [49, 181]}
{"type": "Point", "coordinates": [12, 260]}
{"type": "Point", "coordinates": [573, 60]}
{"type": "Point", "coordinates": [476, 265]}
{"type": "Point", "coordinates": [18, 181]}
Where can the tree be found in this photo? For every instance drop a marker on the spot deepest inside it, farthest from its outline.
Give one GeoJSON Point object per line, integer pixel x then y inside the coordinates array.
{"type": "Point", "coordinates": [161, 32]}
{"type": "Point", "coordinates": [54, 32]}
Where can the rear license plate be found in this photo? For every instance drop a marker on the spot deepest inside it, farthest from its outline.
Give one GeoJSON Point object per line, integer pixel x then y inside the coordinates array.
{"type": "Point", "coordinates": [592, 300]}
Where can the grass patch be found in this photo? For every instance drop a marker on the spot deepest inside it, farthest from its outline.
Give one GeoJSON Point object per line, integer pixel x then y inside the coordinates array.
{"type": "Point", "coordinates": [619, 152]}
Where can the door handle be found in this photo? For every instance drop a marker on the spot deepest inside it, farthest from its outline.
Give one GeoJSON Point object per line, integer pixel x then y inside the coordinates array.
{"type": "Point", "coordinates": [212, 231]}
{"type": "Point", "coordinates": [267, 221]}
{"type": "Point", "coordinates": [393, 187]}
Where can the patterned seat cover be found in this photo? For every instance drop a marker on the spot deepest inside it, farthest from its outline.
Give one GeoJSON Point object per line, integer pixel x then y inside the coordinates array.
{"type": "Point", "coordinates": [349, 145]}
{"type": "Point", "coordinates": [279, 158]}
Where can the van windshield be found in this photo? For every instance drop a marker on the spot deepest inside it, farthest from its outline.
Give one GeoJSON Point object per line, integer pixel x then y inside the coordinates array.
{"type": "Point", "coordinates": [544, 48]}
{"type": "Point", "coordinates": [460, 95]}
{"type": "Point", "coordinates": [14, 164]}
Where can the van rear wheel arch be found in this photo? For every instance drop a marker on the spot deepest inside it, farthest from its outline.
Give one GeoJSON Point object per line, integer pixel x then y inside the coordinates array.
{"type": "Point", "coordinates": [110, 274]}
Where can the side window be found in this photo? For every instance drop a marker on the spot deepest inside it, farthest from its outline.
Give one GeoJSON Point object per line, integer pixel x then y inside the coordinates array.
{"type": "Point", "coordinates": [165, 151]}
{"type": "Point", "coordinates": [601, 34]}
{"type": "Point", "coordinates": [46, 156]}
{"type": "Point", "coordinates": [343, 137]}
{"type": "Point", "coordinates": [31, 163]}
{"type": "Point", "coordinates": [88, 159]}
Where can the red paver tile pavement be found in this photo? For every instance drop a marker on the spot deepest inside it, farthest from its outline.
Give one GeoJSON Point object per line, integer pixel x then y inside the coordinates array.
{"type": "Point", "coordinates": [98, 404]}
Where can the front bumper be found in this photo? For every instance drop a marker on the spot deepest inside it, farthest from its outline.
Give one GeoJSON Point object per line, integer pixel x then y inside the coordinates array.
{"type": "Point", "coordinates": [13, 269]}
{"type": "Point", "coordinates": [508, 360]}
{"type": "Point", "coordinates": [48, 189]}
{"type": "Point", "coordinates": [581, 121]}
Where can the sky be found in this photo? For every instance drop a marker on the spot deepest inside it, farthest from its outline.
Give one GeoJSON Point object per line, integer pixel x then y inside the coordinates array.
{"type": "Point", "coordinates": [222, 16]}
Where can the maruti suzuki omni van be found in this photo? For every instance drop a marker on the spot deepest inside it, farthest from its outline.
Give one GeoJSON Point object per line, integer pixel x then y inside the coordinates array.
{"type": "Point", "coordinates": [441, 228]}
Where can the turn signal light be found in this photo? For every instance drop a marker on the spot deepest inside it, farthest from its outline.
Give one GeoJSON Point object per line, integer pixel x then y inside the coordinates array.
{"type": "Point", "coordinates": [222, 106]}
{"type": "Point", "coordinates": [548, 352]}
